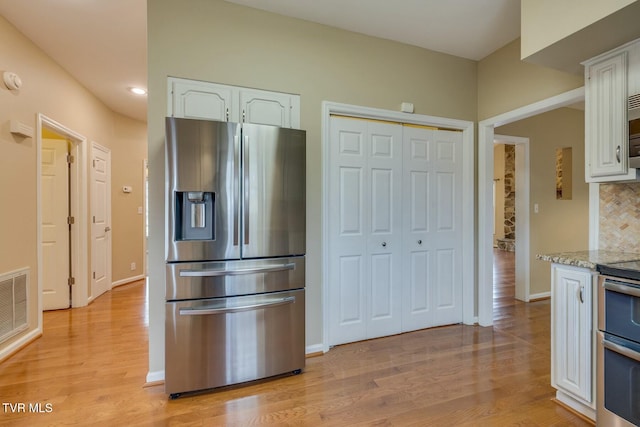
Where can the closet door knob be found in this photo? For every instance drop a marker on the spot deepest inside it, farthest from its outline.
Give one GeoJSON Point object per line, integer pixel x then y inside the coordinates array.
{"type": "Point", "coordinates": [384, 244]}
{"type": "Point", "coordinates": [419, 242]}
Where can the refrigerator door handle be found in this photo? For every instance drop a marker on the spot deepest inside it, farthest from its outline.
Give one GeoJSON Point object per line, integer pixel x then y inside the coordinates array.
{"type": "Point", "coordinates": [225, 310]}
{"type": "Point", "coordinates": [237, 272]}
{"type": "Point", "coordinates": [247, 173]}
{"type": "Point", "coordinates": [236, 189]}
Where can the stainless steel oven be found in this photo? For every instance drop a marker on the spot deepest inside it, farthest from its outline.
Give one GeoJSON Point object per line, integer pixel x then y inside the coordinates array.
{"type": "Point", "coordinates": [618, 357]}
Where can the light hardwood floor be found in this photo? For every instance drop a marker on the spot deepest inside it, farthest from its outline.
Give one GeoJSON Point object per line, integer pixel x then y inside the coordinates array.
{"type": "Point", "coordinates": [91, 363]}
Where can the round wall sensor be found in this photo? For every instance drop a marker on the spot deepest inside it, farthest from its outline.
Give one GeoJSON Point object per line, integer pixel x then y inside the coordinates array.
{"type": "Point", "coordinates": [12, 80]}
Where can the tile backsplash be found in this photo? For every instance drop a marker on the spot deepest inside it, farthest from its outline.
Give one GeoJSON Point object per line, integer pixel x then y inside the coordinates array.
{"type": "Point", "coordinates": [620, 217]}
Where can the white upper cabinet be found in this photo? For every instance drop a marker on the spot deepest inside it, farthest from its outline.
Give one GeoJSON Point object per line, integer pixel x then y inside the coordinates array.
{"type": "Point", "coordinates": [211, 101]}
{"type": "Point", "coordinates": [270, 108]}
{"type": "Point", "coordinates": [606, 119]}
{"type": "Point", "coordinates": [609, 79]}
{"type": "Point", "coordinates": [193, 99]}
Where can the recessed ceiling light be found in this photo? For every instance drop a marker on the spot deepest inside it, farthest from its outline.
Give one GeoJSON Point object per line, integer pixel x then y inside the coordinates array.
{"type": "Point", "coordinates": [138, 90]}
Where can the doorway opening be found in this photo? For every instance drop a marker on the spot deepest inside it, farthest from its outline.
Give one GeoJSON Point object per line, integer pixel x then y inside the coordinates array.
{"type": "Point", "coordinates": [485, 189]}
{"type": "Point", "coordinates": [71, 185]}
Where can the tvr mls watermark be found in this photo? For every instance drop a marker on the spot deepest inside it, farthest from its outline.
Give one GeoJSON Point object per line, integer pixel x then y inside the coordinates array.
{"type": "Point", "coordinates": [32, 408]}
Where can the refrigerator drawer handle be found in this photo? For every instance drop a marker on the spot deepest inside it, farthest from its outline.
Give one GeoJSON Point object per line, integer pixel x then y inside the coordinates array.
{"type": "Point", "coordinates": [616, 348]}
{"type": "Point", "coordinates": [255, 270]}
{"type": "Point", "coordinates": [622, 289]}
{"type": "Point", "coordinates": [225, 310]}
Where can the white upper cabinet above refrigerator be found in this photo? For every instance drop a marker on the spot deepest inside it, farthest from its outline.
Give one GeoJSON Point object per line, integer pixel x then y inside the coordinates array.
{"type": "Point", "coordinates": [194, 99]}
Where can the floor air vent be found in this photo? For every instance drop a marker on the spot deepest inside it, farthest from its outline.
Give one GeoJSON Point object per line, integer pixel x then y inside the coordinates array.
{"type": "Point", "coordinates": [13, 303]}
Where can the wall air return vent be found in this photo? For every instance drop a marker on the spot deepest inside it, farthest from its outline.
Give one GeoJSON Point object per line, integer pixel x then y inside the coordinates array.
{"type": "Point", "coordinates": [13, 303]}
{"type": "Point", "coordinates": [634, 101]}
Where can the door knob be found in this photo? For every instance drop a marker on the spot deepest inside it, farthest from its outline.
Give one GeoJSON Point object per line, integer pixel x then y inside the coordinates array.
{"type": "Point", "coordinates": [107, 229]}
{"type": "Point", "coordinates": [384, 244]}
{"type": "Point", "coordinates": [419, 242]}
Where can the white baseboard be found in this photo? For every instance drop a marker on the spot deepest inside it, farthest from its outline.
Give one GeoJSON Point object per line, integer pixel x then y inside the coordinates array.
{"type": "Point", "coordinates": [155, 376]}
{"type": "Point", "coordinates": [314, 349]}
{"type": "Point", "coordinates": [541, 295]}
{"type": "Point", "coordinates": [127, 280]}
{"type": "Point", "coordinates": [19, 343]}
{"type": "Point", "coordinates": [576, 405]}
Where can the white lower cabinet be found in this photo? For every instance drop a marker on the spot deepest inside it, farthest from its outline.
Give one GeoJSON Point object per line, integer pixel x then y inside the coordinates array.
{"type": "Point", "coordinates": [573, 324]}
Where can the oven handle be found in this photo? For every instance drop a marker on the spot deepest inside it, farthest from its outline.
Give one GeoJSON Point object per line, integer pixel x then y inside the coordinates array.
{"type": "Point", "coordinates": [225, 310]}
{"type": "Point", "coordinates": [616, 348]}
{"type": "Point", "coordinates": [238, 272]}
{"type": "Point", "coordinates": [622, 289]}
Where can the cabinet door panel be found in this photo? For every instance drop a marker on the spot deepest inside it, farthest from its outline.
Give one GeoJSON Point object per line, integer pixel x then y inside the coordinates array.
{"type": "Point", "coordinates": [605, 115]}
{"type": "Point", "coordinates": [572, 332]}
{"type": "Point", "coordinates": [267, 108]}
{"type": "Point", "coordinates": [201, 100]}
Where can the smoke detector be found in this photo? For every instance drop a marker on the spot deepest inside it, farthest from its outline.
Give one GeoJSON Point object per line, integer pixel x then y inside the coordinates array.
{"type": "Point", "coordinates": [12, 80]}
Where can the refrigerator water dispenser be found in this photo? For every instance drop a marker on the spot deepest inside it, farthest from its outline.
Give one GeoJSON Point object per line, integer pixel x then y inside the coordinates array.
{"type": "Point", "coordinates": [194, 219]}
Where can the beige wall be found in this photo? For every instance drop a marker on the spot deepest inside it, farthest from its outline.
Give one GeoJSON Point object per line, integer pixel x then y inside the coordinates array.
{"type": "Point", "coordinates": [545, 22]}
{"type": "Point", "coordinates": [506, 83]}
{"type": "Point", "coordinates": [221, 42]}
{"type": "Point", "coordinates": [128, 151]}
{"type": "Point", "coordinates": [560, 225]}
{"type": "Point", "coordinates": [48, 89]}
{"type": "Point", "coordinates": [562, 34]}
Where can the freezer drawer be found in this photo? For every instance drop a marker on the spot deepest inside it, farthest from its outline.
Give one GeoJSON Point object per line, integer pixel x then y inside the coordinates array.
{"type": "Point", "coordinates": [223, 341]}
{"type": "Point", "coordinates": [233, 278]}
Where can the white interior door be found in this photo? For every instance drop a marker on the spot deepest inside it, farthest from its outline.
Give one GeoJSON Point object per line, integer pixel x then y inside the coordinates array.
{"type": "Point", "coordinates": [365, 220]}
{"type": "Point", "coordinates": [55, 228]}
{"type": "Point", "coordinates": [432, 237]}
{"type": "Point", "coordinates": [101, 221]}
{"type": "Point", "coordinates": [395, 229]}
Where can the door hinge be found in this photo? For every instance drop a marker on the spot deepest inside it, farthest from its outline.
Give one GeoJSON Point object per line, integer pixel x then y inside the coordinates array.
{"type": "Point", "coordinates": [71, 220]}
{"type": "Point", "coordinates": [94, 275]}
{"type": "Point", "coordinates": [94, 219]}
{"type": "Point", "coordinates": [94, 163]}
{"type": "Point", "coordinates": [71, 281]}
{"type": "Point", "coordinates": [70, 159]}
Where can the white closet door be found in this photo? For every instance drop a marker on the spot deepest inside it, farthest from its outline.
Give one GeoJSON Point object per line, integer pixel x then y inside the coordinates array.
{"type": "Point", "coordinates": [365, 221]}
{"type": "Point", "coordinates": [384, 246]}
{"type": "Point", "coordinates": [432, 238]}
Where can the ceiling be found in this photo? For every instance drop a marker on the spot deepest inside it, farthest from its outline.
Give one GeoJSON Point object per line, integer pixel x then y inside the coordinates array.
{"type": "Point", "coordinates": [102, 43]}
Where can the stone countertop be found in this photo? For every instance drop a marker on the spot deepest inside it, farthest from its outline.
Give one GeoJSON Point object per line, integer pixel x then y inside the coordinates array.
{"type": "Point", "coordinates": [588, 259]}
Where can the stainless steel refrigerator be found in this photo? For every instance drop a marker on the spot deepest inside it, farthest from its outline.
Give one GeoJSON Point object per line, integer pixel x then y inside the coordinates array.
{"type": "Point", "coordinates": [235, 251]}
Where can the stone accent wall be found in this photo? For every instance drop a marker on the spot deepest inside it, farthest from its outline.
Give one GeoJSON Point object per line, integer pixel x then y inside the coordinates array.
{"type": "Point", "coordinates": [620, 217]}
{"type": "Point", "coordinates": [510, 191]}
{"type": "Point", "coordinates": [559, 171]}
